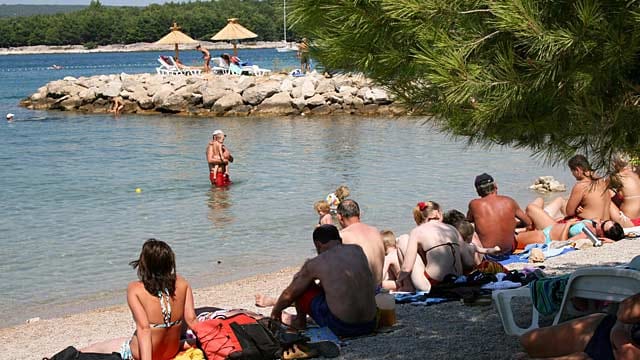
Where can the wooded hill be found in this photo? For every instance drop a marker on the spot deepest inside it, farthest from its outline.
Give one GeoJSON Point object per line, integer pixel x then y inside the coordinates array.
{"type": "Point", "coordinates": [7, 10]}
{"type": "Point", "coordinates": [103, 25]}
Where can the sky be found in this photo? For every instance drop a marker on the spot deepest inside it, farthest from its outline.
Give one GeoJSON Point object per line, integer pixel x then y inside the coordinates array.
{"type": "Point", "coordinates": [86, 2]}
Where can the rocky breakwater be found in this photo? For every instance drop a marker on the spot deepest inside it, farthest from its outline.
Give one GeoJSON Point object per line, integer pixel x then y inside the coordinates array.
{"type": "Point", "coordinates": [217, 95]}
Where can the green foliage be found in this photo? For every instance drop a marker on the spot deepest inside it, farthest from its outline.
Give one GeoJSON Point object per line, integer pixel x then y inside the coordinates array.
{"type": "Point", "coordinates": [30, 10]}
{"type": "Point", "coordinates": [557, 77]}
{"type": "Point", "coordinates": [103, 25]}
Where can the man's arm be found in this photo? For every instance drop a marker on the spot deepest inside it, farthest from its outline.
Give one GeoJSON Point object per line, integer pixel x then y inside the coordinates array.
{"type": "Point", "coordinates": [210, 159]}
{"type": "Point", "coordinates": [522, 216]}
{"type": "Point", "coordinates": [301, 281]}
{"type": "Point", "coordinates": [470, 212]}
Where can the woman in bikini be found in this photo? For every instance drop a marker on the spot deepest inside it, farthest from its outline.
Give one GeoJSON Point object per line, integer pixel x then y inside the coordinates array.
{"type": "Point", "coordinates": [625, 205]}
{"type": "Point", "coordinates": [589, 197]}
{"type": "Point", "coordinates": [433, 250]}
{"type": "Point", "coordinates": [160, 302]}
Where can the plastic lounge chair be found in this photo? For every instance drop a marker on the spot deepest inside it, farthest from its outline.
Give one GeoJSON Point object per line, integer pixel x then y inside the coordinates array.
{"type": "Point", "coordinates": [255, 70]}
{"type": "Point", "coordinates": [595, 283]}
{"type": "Point", "coordinates": [170, 67]}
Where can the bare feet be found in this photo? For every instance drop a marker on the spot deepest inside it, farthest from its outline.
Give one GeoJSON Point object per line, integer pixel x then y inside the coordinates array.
{"type": "Point", "coordinates": [264, 300]}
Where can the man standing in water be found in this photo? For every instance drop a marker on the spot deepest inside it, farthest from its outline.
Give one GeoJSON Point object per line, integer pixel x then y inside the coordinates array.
{"type": "Point", "coordinates": [366, 236]}
{"type": "Point", "coordinates": [206, 57]}
{"type": "Point", "coordinates": [495, 215]}
{"type": "Point", "coordinates": [218, 158]}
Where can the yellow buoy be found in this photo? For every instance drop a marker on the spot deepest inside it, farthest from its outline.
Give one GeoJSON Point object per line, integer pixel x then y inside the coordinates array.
{"type": "Point", "coordinates": [138, 190]}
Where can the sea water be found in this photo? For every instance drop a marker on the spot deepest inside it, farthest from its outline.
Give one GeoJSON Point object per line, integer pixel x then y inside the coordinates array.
{"type": "Point", "coordinates": [71, 219]}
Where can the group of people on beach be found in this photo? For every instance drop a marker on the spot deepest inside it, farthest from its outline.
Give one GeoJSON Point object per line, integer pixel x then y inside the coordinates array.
{"type": "Point", "coordinates": [354, 260]}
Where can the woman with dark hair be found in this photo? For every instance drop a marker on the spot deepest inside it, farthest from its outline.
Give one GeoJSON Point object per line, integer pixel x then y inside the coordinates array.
{"type": "Point", "coordinates": [589, 197]}
{"type": "Point", "coordinates": [159, 301]}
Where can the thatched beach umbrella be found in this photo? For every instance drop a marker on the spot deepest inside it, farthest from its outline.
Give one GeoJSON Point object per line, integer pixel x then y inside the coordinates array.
{"type": "Point", "coordinates": [234, 31]}
{"type": "Point", "coordinates": [176, 37]}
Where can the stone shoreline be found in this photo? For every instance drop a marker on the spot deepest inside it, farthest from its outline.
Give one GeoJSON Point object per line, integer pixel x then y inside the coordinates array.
{"type": "Point", "coordinates": [80, 49]}
{"type": "Point", "coordinates": [218, 95]}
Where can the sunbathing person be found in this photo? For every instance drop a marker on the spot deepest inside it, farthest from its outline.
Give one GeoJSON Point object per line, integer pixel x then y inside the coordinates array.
{"type": "Point", "coordinates": [344, 298]}
{"type": "Point", "coordinates": [357, 233]}
{"type": "Point", "coordinates": [437, 246]}
{"type": "Point", "coordinates": [571, 229]}
{"type": "Point", "coordinates": [590, 198]}
{"type": "Point", "coordinates": [391, 267]}
{"type": "Point", "coordinates": [494, 216]}
{"type": "Point", "coordinates": [625, 204]}
{"type": "Point", "coordinates": [595, 336]}
{"type": "Point", "coordinates": [160, 302]}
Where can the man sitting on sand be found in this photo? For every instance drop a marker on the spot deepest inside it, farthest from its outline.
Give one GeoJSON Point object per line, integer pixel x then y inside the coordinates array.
{"type": "Point", "coordinates": [495, 215]}
{"type": "Point", "coordinates": [366, 236]}
{"type": "Point", "coordinates": [344, 297]}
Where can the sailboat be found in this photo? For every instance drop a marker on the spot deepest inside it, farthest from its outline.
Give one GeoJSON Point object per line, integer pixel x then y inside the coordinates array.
{"type": "Point", "coordinates": [286, 47]}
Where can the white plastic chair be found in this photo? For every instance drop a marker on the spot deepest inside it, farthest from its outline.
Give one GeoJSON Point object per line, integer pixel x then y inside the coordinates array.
{"type": "Point", "coordinates": [594, 283]}
{"type": "Point", "coordinates": [502, 302]}
{"type": "Point", "coordinates": [168, 66]}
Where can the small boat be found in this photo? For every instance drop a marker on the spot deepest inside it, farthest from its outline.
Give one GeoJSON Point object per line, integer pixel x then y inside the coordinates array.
{"type": "Point", "coordinates": [287, 46]}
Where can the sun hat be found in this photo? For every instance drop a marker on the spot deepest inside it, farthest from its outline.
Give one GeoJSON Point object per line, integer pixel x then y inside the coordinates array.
{"type": "Point", "coordinates": [325, 233]}
{"type": "Point", "coordinates": [9, 115]}
{"type": "Point", "coordinates": [483, 179]}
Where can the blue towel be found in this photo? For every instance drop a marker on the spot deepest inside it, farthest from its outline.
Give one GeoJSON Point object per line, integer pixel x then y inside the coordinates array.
{"type": "Point", "coordinates": [418, 298]}
{"type": "Point", "coordinates": [317, 334]}
{"type": "Point", "coordinates": [524, 256]}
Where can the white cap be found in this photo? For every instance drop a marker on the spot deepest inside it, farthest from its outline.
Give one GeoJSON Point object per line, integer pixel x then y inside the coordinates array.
{"type": "Point", "coordinates": [9, 115]}
{"type": "Point", "coordinates": [217, 132]}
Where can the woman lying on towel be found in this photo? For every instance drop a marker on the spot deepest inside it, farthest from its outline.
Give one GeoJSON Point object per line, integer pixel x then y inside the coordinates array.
{"type": "Point", "coordinates": [571, 229]}
{"type": "Point", "coordinates": [595, 336]}
{"type": "Point", "coordinates": [160, 302]}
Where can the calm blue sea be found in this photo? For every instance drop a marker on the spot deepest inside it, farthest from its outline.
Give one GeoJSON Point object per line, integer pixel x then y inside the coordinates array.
{"type": "Point", "coordinates": [70, 219]}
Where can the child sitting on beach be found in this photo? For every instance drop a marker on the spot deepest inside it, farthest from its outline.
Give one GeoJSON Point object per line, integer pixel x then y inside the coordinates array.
{"type": "Point", "coordinates": [467, 231]}
{"type": "Point", "coordinates": [391, 267]}
{"type": "Point", "coordinates": [322, 208]}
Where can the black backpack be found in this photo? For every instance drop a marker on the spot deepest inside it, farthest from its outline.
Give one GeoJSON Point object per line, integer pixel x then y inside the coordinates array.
{"type": "Point", "coordinates": [71, 353]}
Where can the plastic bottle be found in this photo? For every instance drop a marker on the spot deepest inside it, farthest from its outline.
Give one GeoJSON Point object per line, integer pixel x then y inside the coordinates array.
{"type": "Point", "coordinates": [386, 304]}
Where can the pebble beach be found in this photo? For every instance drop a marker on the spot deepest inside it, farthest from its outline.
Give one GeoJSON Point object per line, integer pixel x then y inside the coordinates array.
{"type": "Point", "coordinates": [448, 331]}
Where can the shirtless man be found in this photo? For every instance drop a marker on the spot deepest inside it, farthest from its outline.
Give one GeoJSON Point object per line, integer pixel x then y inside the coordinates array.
{"type": "Point", "coordinates": [218, 158]}
{"type": "Point", "coordinates": [344, 300]}
{"type": "Point", "coordinates": [206, 57]}
{"type": "Point", "coordinates": [358, 233]}
{"type": "Point", "coordinates": [589, 197]}
{"type": "Point", "coordinates": [494, 216]}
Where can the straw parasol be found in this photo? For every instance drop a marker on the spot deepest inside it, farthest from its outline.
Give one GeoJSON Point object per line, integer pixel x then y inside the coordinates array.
{"type": "Point", "coordinates": [176, 37]}
{"type": "Point", "coordinates": [234, 31]}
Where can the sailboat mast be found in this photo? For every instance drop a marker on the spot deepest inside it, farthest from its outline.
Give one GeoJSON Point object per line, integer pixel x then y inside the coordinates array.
{"type": "Point", "coordinates": [284, 13]}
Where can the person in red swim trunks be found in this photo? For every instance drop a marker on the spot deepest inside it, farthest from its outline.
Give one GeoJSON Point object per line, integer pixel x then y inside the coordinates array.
{"type": "Point", "coordinates": [218, 158]}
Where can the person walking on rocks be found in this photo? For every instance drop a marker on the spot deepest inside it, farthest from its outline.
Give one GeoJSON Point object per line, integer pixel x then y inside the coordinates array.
{"type": "Point", "coordinates": [206, 57]}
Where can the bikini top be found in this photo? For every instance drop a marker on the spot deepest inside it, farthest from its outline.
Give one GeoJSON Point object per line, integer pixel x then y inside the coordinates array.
{"type": "Point", "coordinates": [165, 305]}
{"type": "Point", "coordinates": [576, 228]}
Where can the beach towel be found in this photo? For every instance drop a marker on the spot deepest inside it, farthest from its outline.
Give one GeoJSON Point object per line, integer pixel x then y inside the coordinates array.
{"type": "Point", "coordinates": [418, 298]}
{"type": "Point", "coordinates": [546, 250]}
{"type": "Point", "coordinates": [547, 293]}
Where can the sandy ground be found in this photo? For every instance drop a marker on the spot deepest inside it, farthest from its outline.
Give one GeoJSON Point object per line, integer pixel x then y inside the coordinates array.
{"type": "Point", "coordinates": [447, 331]}
{"type": "Point", "coordinates": [45, 49]}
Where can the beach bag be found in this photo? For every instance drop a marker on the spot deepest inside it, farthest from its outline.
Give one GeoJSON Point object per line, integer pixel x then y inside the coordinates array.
{"type": "Point", "coordinates": [238, 337]}
{"type": "Point", "coordinates": [71, 353]}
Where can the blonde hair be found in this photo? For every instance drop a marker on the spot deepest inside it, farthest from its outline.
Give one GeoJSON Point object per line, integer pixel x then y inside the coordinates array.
{"type": "Point", "coordinates": [342, 192]}
{"type": "Point", "coordinates": [321, 206]}
{"type": "Point", "coordinates": [466, 230]}
{"type": "Point", "coordinates": [425, 211]}
{"type": "Point", "coordinates": [388, 238]}
{"type": "Point", "coordinates": [620, 160]}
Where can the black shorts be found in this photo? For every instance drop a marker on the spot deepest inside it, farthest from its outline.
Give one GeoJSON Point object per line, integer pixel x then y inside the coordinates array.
{"type": "Point", "coordinates": [600, 347]}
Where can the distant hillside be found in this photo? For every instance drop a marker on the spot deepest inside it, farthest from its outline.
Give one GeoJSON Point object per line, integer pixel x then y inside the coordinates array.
{"type": "Point", "coordinates": [29, 10]}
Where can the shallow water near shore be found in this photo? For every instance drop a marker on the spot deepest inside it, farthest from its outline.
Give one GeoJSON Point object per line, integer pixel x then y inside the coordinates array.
{"type": "Point", "coordinates": [71, 219]}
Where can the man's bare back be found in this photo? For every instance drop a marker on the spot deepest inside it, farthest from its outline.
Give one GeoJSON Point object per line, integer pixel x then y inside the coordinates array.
{"type": "Point", "coordinates": [350, 298]}
{"type": "Point", "coordinates": [370, 240]}
{"type": "Point", "coordinates": [494, 217]}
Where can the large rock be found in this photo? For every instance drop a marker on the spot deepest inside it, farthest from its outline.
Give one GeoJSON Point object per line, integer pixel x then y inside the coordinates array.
{"type": "Point", "coordinates": [227, 102]}
{"type": "Point", "coordinates": [325, 86]}
{"type": "Point", "coordinates": [211, 95]}
{"type": "Point", "coordinates": [316, 100]}
{"type": "Point", "coordinates": [162, 93]}
{"type": "Point", "coordinates": [546, 184]}
{"type": "Point", "coordinates": [254, 95]}
{"type": "Point", "coordinates": [110, 89]}
{"type": "Point", "coordinates": [377, 95]}
{"type": "Point", "coordinates": [278, 104]}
